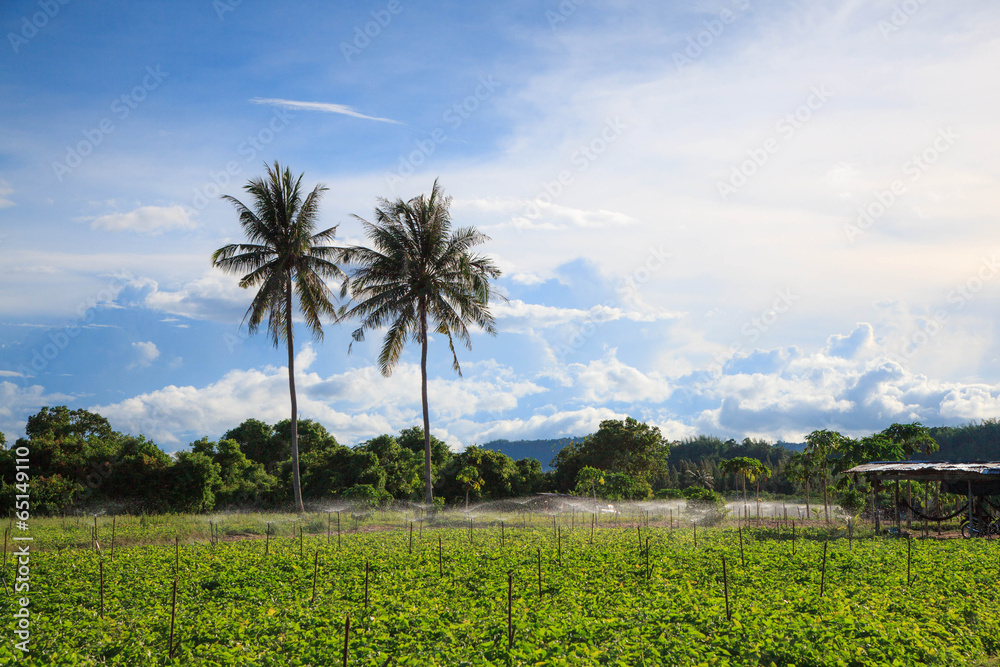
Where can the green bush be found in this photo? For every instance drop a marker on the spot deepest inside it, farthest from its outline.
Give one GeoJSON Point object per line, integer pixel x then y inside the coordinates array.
{"type": "Point", "coordinates": [619, 486]}
{"type": "Point", "coordinates": [853, 501]}
{"type": "Point", "coordinates": [707, 501]}
{"type": "Point", "coordinates": [367, 494]}
{"type": "Point", "coordinates": [699, 494]}
{"type": "Point", "coordinates": [669, 494]}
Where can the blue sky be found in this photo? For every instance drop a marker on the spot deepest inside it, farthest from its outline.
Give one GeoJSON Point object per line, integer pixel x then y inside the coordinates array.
{"type": "Point", "coordinates": [723, 217]}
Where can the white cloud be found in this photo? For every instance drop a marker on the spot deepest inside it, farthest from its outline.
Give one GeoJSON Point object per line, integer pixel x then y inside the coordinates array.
{"type": "Point", "coordinates": [775, 394]}
{"type": "Point", "coordinates": [145, 354]}
{"type": "Point", "coordinates": [213, 296]}
{"type": "Point", "coordinates": [17, 402]}
{"type": "Point", "coordinates": [325, 107]}
{"type": "Point", "coordinates": [152, 220]}
{"type": "Point", "coordinates": [543, 214]}
{"type": "Point", "coordinates": [519, 316]}
{"type": "Point", "coordinates": [355, 405]}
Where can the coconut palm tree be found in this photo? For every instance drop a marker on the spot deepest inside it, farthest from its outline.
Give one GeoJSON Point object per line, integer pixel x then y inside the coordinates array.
{"type": "Point", "coordinates": [283, 258]}
{"type": "Point", "coordinates": [419, 277]}
{"type": "Point", "coordinates": [703, 479]}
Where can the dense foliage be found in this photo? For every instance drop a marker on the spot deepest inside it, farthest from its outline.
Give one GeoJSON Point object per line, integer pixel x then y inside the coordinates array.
{"type": "Point", "coordinates": [581, 600]}
{"type": "Point", "coordinates": [78, 460]}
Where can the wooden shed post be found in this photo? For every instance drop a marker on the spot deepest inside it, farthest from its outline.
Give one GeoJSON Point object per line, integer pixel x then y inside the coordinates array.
{"type": "Point", "coordinates": [909, 503]}
{"type": "Point", "coordinates": [899, 526]}
{"type": "Point", "coordinates": [875, 506]}
{"type": "Point", "coordinates": [970, 504]}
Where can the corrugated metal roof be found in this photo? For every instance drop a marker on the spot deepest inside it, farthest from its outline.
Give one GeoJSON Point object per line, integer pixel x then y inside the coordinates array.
{"type": "Point", "coordinates": [982, 470]}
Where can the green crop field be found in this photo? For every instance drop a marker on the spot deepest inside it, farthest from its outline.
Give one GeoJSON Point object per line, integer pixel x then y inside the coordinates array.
{"type": "Point", "coordinates": [248, 599]}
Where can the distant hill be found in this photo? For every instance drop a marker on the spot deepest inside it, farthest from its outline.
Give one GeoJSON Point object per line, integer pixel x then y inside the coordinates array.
{"type": "Point", "coordinates": [543, 450]}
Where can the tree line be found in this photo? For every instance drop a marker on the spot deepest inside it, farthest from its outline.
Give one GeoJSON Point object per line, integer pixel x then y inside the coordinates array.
{"type": "Point", "coordinates": [79, 462]}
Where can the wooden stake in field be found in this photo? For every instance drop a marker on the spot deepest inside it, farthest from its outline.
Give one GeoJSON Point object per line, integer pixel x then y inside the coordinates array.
{"type": "Point", "coordinates": [593, 523]}
{"type": "Point", "coordinates": [743, 559]}
{"type": "Point", "coordinates": [725, 583]}
{"type": "Point", "coordinates": [411, 538]}
{"type": "Point", "coordinates": [267, 540]}
{"type": "Point", "coordinates": [909, 558]}
{"type": "Point", "coordinates": [347, 636]}
{"type": "Point", "coordinates": [315, 575]}
{"type": "Point", "coordinates": [647, 560]}
{"type": "Point", "coordinates": [927, 527]}
{"type": "Point", "coordinates": [101, 562]}
{"type": "Point", "coordinates": [539, 572]}
{"type": "Point", "coordinates": [173, 615]}
{"type": "Point", "coordinates": [695, 525]}
{"type": "Point", "coordinates": [366, 584]}
{"type": "Point", "coordinates": [510, 609]}
{"type": "Point", "coordinates": [822, 576]}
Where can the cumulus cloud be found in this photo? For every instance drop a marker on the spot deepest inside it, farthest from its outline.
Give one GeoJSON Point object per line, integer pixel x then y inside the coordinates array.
{"type": "Point", "coordinates": [17, 402]}
{"type": "Point", "coordinates": [519, 316]}
{"type": "Point", "coordinates": [145, 354]}
{"type": "Point", "coordinates": [213, 296]}
{"type": "Point", "coordinates": [859, 341]}
{"type": "Point", "coordinates": [151, 220]}
{"type": "Point", "coordinates": [355, 405]}
{"type": "Point", "coordinates": [542, 214]}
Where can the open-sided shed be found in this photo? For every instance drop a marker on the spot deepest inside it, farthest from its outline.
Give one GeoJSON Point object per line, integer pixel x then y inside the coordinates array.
{"type": "Point", "coordinates": [971, 479]}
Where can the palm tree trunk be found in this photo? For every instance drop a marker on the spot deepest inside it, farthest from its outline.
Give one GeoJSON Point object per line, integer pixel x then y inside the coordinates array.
{"type": "Point", "coordinates": [429, 495]}
{"type": "Point", "coordinates": [296, 482]}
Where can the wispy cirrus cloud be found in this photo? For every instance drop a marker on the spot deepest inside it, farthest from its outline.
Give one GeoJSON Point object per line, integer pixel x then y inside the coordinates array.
{"type": "Point", "coordinates": [325, 107]}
